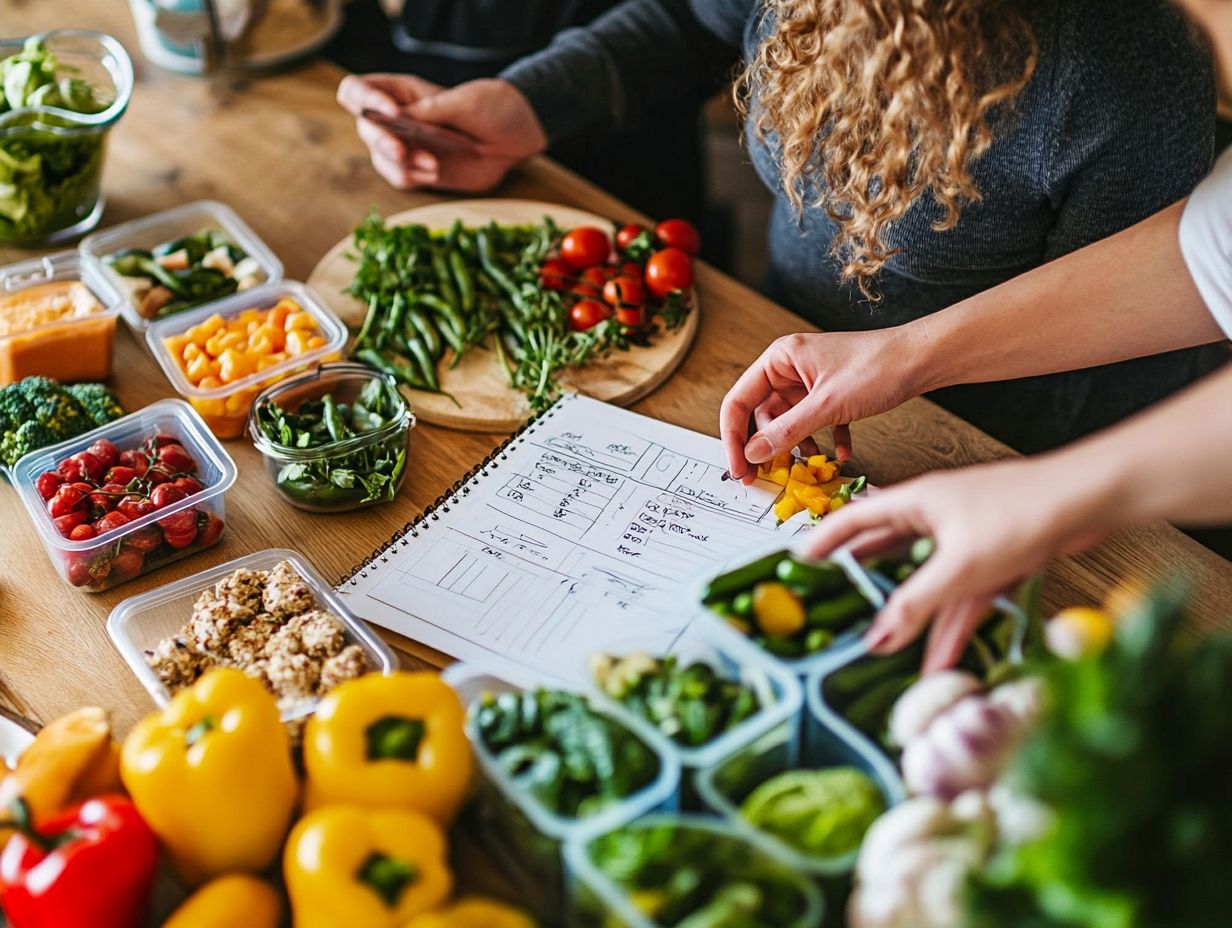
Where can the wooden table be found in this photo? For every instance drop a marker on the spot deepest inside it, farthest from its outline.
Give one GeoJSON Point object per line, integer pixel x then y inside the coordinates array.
{"type": "Point", "coordinates": [286, 157]}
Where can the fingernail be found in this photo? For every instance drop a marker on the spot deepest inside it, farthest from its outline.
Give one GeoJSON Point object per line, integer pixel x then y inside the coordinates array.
{"type": "Point", "coordinates": [391, 149]}
{"type": "Point", "coordinates": [876, 637]}
{"type": "Point", "coordinates": [423, 161]}
{"type": "Point", "coordinates": [758, 449]}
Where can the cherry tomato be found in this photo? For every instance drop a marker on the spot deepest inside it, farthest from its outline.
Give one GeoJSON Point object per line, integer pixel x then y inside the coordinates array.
{"type": "Point", "coordinates": [66, 523]}
{"type": "Point", "coordinates": [154, 442]}
{"type": "Point", "coordinates": [110, 522]}
{"type": "Point", "coordinates": [145, 539]}
{"type": "Point", "coordinates": [121, 475]}
{"type": "Point", "coordinates": [176, 459]}
{"type": "Point", "coordinates": [627, 234]}
{"type": "Point", "coordinates": [165, 494]}
{"type": "Point", "coordinates": [47, 484]}
{"type": "Point", "coordinates": [158, 475]}
{"type": "Point", "coordinates": [630, 315]}
{"type": "Point", "coordinates": [127, 563]}
{"type": "Point", "coordinates": [585, 247]}
{"type": "Point", "coordinates": [668, 270]}
{"type": "Point", "coordinates": [586, 291]}
{"type": "Point", "coordinates": [586, 314]}
{"type": "Point", "coordinates": [136, 460]}
{"type": "Point", "coordinates": [67, 499]}
{"type": "Point", "coordinates": [134, 507]}
{"type": "Point", "coordinates": [555, 274]}
{"type": "Point", "coordinates": [631, 269]}
{"type": "Point", "coordinates": [83, 532]}
{"type": "Point", "coordinates": [189, 485]}
{"type": "Point", "coordinates": [106, 452]}
{"type": "Point", "coordinates": [679, 233]}
{"type": "Point", "coordinates": [88, 568]}
{"type": "Point", "coordinates": [81, 466]}
{"type": "Point", "coordinates": [105, 498]}
{"type": "Point", "coordinates": [209, 528]}
{"type": "Point", "coordinates": [624, 290]}
{"type": "Point", "coordinates": [180, 528]}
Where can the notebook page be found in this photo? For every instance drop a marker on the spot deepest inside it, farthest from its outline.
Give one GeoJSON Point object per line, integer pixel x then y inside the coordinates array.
{"type": "Point", "coordinates": [572, 543]}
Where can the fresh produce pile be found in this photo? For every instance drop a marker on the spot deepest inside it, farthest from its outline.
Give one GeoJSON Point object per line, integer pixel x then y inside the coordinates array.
{"type": "Point", "coordinates": [569, 758]}
{"type": "Point", "coordinates": [210, 785]}
{"type": "Point", "coordinates": [820, 813]}
{"type": "Point", "coordinates": [332, 455]}
{"type": "Point", "coordinates": [37, 412]}
{"type": "Point", "coordinates": [46, 179]}
{"type": "Point", "coordinates": [678, 874]}
{"type": "Point", "coordinates": [692, 705]}
{"type": "Point", "coordinates": [95, 494]}
{"type": "Point", "coordinates": [789, 607]}
{"type": "Point", "coordinates": [811, 484]}
{"type": "Point", "coordinates": [543, 299]}
{"type": "Point", "coordinates": [186, 272]}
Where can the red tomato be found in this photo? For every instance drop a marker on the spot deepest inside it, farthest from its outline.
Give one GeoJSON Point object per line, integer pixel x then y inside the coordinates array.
{"type": "Point", "coordinates": [189, 485]}
{"type": "Point", "coordinates": [104, 499]}
{"type": "Point", "coordinates": [555, 274]}
{"type": "Point", "coordinates": [65, 501]}
{"type": "Point", "coordinates": [158, 475]}
{"type": "Point", "coordinates": [83, 532]}
{"type": "Point", "coordinates": [586, 290]}
{"type": "Point", "coordinates": [210, 531]}
{"type": "Point", "coordinates": [180, 529]}
{"type": "Point", "coordinates": [81, 466]}
{"type": "Point", "coordinates": [106, 452]}
{"type": "Point", "coordinates": [586, 314]}
{"type": "Point", "coordinates": [626, 291]}
{"type": "Point", "coordinates": [176, 459]}
{"type": "Point", "coordinates": [88, 568]}
{"type": "Point", "coordinates": [668, 270]}
{"type": "Point", "coordinates": [165, 494]}
{"type": "Point", "coordinates": [134, 507]}
{"type": "Point", "coordinates": [110, 522]}
{"type": "Point", "coordinates": [121, 475]}
{"type": "Point", "coordinates": [631, 269]}
{"type": "Point", "coordinates": [627, 234]}
{"type": "Point", "coordinates": [135, 460]}
{"type": "Point", "coordinates": [66, 523]}
{"type": "Point", "coordinates": [145, 539]}
{"type": "Point", "coordinates": [47, 484]}
{"type": "Point", "coordinates": [585, 247]}
{"type": "Point", "coordinates": [679, 233]}
{"type": "Point", "coordinates": [630, 316]}
{"type": "Point", "coordinates": [128, 562]}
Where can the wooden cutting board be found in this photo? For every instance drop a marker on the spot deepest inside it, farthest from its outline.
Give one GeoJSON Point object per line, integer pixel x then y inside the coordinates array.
{"type": "Point", "coordinates": [487, 402]}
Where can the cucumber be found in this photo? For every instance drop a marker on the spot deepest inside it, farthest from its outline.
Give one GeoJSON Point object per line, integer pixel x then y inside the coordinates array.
{"type": "Point", "coordinates": [742, 578]}
{"type": "Point", "coordinates": [839, 612]}
{"type": "Point", "coordinates": [789, 648]}
{"type": "Point", "coordinates": [811, 579]}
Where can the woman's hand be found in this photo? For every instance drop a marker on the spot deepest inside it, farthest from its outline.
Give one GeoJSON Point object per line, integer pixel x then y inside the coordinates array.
{"type": "Point", "coordinates": [804, 383]}
{"type": "Point", "coordinates": [492, 112]}
{"type": "Point", "coordinates": [992, 526]}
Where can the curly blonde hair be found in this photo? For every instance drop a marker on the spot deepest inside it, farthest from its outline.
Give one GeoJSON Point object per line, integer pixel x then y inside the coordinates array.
{"type": "Point", "coordinates": [875, 102]}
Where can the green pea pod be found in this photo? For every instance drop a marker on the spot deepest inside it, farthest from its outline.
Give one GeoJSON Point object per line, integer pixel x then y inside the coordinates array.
{"type": "Point", "coordinates": [811, 579]}
{"type": "Point", "coordinates": [742, 578]}
{"type": "Point", "coordinates": [839, 612]}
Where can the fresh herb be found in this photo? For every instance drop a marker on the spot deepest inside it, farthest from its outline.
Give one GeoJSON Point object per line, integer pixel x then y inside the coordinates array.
{"type": "Point", "coordinates": [692, 705]}
{"type": "Point", "coordinates": [47, 180]}
{"type": "Point", "coordinates": [571, 759]}
{"type": "Point", "coordinates": [363, 472]}
{"type": "Point", "coordinates": [821, 813]}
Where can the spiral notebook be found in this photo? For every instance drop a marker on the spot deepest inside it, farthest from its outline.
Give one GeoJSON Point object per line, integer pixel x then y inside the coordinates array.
{"type": "Point", "coordinates": [575, 535]}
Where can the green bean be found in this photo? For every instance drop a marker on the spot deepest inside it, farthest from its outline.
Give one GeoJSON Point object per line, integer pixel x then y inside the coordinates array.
{"type": "Point", "coordinates": [444, 281]}
{"type": "Point", "coordinates": [400, 372]}
{"type": "Point", "coordinates": [420, 353]}
{"type": "Point", "coordinates": [374, 313]}
{"type": "Point", "coordinates": [466, 285]}
{"type": "Point", "coordinates": [421, 324]}
{"type": "Point", "coordinates": [448, 312]}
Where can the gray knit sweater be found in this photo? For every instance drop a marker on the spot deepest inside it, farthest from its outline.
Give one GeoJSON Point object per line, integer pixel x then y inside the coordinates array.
{"type": "Point", "coordinates": [1117, 123]}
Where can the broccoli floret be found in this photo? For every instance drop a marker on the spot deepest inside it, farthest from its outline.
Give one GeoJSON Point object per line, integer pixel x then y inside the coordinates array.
{"type": "Point", "coordinates": [30, 436]}
{"type": "Point", "coordinates": [55, 408]}
{"type": "Point", "coordinates": [14, 409]}
{"type": "Point", "coordinates": [99, 403]}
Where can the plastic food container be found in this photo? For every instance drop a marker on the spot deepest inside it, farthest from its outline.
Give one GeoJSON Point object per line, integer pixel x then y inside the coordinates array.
{"type": "Point", "coordinates": [60, 203]}
{"type": "Point", "coordinates": [318, 492]}
{"type": "Point", "coordinates": [153, 230]}
{"type": "Point", "coordinates": [68, 349]}
{"type": "Point", "coordinates": [599, 901]}
{"type": "Point", "coordinates": [528, 838]}
{"type": "Point", "coordinates": [724, 786]}
{"type": "Point", "coordinates": [137, 547]}
{"type": "Point", "coordinates": [225, 409]}
{"type": "Point", "coordinates": [782, 700]}
{"type": "Point", "coordinates": [138, 624]}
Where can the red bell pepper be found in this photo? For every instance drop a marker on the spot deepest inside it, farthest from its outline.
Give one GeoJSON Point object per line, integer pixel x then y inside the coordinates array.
{"type": "Point", "coordinates": [90, 866]}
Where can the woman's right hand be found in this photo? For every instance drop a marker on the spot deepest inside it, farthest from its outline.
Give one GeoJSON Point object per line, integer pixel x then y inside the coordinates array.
{"type": "Point", "coordinates": [492, 112]}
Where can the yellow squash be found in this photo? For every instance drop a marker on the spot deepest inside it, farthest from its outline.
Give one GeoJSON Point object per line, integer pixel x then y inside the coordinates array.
{"type": "Point", "coordinates": [350, 867]}
{"type": "Point", "coordinates": [211, 774]}
{"type": "Point", "coordinates": [230, 901]}
{"type": "Point", "coordinates": [390, 741]}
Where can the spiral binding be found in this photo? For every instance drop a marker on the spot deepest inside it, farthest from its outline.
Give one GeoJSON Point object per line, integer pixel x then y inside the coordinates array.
{"type": "Point", "coordinates": [461, 488]}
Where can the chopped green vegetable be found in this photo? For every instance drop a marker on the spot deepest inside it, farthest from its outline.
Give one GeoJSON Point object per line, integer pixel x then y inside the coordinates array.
{"type": "Point", "coordinates": [98, 402]}
{"type": "Point", "coordinates": [820, 813]}
{"type": "Point", "coordinates": [185, 272]}
{"type": "Point", "coordinates": [55, 408]}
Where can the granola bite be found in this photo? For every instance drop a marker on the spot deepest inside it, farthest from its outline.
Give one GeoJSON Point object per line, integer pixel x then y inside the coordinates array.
{"type": "Point", "coordinates": [347, 664]}
{"type": "Point", "coordinates": [213, 622]}
{"type": "Point", "coordinates": [320, 633]}
{"type": "Point", "coordinates": [292, 675]}
{"type": "Point", "coordinates": [177, 663]}
{"type": "Point", "coordinates": [286, 594]}
{"type": "Point", "coordinates": [242, 589]}
{"type": "Point", "coordinates": [247, 642]}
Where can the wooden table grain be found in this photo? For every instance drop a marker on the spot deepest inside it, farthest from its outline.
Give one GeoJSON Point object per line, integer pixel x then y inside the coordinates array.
{"type": "Point", "coordinates": [281, 152]}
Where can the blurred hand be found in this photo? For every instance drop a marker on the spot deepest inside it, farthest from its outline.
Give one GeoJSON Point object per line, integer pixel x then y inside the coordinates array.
{"type": "Point", "coordinates": [804, 383]}
{"type": "Point", "coordinates": [992, 526]}
{"type": "Point", "coordinates": [492, 112]}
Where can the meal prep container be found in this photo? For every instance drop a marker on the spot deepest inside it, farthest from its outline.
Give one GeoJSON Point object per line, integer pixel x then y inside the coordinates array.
{"type": "Point", "coordinates": [149, 231]}
{"type": "Point", "coordinates": [344, 380]}
{"type": "Point", "coordinates": [225, 409]}
{"type": "Point", "coordinates": [138, 624]}
{"type": "Point", "coordinates": [55, 133]}
{"type": "Point", "coordinates": [725, 785]}
{"type": "Point", "coordinates": [67, 350]}
{"type": "Point", "coordinates": [74, 559]}
{"type": "Point", "coordinates": [782, 700]}
{"type": "Point", "coordinates": [527, 838]}
{"type": "Point", "coordinates": [599, 902]}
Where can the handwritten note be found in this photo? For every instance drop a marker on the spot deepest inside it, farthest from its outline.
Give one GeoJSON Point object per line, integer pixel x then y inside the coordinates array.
{"type": "Point", "coordinates": [573, 542]}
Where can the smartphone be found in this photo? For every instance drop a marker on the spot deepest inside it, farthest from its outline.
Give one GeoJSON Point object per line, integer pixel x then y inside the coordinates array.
{"type": "Point", "coordinates": [436, 139]}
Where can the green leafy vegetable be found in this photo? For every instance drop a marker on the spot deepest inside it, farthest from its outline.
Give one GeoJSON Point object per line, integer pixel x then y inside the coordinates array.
{"type": "Point", "coordinates": [185, 272]}
{"type": "Point", "coordinates": [37, 412]}
{"type": "Point", "coordinates": [821, 813]}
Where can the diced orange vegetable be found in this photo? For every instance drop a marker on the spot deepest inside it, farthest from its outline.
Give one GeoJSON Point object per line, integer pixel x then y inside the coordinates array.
{"type": "Point", "coordinates": [297, 342]}
{"type": "Point", "coordinates": [272, 334]}
{"type": "Point", "coordinates": [830, 487]}
{"type": "Point", "coordinates": [801, 474]}
{"type": "Point", "coordinates": [234, 365]}
{"type": "Point", "coordinates": [315, 342]}
{"type": "Point", "coordinates": [197, 368]}
{"type": "Point", "coordinates": [190, 352]}
{"type": "Point", "coordinates": [277, 316]}
{"type": "Point", "coordinates": [249, 316]}
{"type": "Point", "coordinates": [209, 383]}
{"type": "Point", "coordinates": [822, 468]}
{"type": "Point", "coordinates": [212, 325]}
{"type": "Point", "coordinates": [300, 320]}
{"type": "Point", "coordinates": [786, 507]}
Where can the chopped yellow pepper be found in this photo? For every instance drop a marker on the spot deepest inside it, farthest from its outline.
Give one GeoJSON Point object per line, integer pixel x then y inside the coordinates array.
{"type": "Point", "coordinates": [211, 774]}
{"type": "Point", "coordinates": [801, 474]}
{"type": "Point", "coordinates": [822, 468]}
{"type": "Point", "coordinates": [397, 741]}
{"type": "Point", "coordinates": [228, 901]}
{"type": "Point", "coordinates": [364, 868]}
{"type": "Point", "coordinates": [786, 507]}
{"type": "Point", "coordinates": [778, 610]}
{"type": "Point", "coordinates": [474, 912]}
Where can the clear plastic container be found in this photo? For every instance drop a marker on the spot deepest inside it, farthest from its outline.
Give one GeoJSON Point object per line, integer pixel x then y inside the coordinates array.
{"type": "Point", "coordinates": [724, 786]}
{"type": "Point", "coordinates": [169, 225]}
{"type": "Point", "coordinates": [225, 409]}
{"type": "Point", "coordinates": [139, 546]}
{"type": "Point", "coordinates": [527, 838]}
{"type": "Point", "coordinates": [317, 492]}
{"type": "Point", "coordinates": [67, 349]}
{"type": "Point", "coordinates": [801, 666]}
{"type": "Point", "coordinates": [138, 624]}
{"type": "Point", "coordinates": [599, 901]}
{"type": "Point", "coordinates": [65, 180]}
{"type": "Point", "coordinates": [782, 699]}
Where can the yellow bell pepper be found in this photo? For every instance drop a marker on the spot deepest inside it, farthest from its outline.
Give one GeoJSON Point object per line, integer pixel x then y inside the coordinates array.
{"type": "Point", "coordinates": [350, 867]}
{"type": "Point", "coordinates": [390, 741]}
{"type": "Point", "coordinates": [777, 609]}
{"type": "Point", "coordinates": [211, 774]}
{"type": "Point", "coordinates": [786, 507]}
{"type": "Point", "coordinates": [822, 468]}
{"type": "Point", "coordinates": [474, 912]}
{"type": "Point", "coordinates": [228, 901]}
{"type": "Point", "coordinates": [800, 474]}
